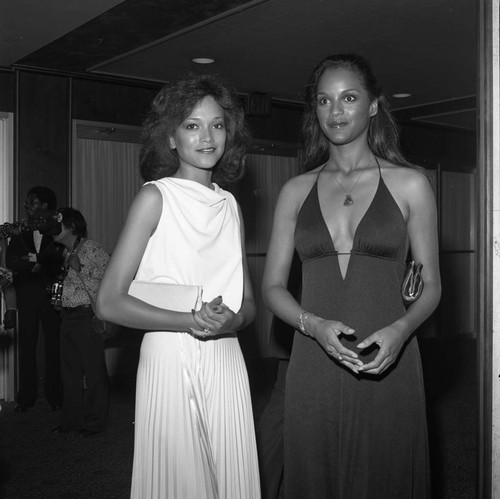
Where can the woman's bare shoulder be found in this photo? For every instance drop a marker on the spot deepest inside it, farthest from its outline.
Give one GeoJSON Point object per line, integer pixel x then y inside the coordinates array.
{"type": "Point", "coordinates": [404, 177]}
{"type": "Point", "coordinates": [294, 192]}
{"type": "Point", "coordinates": [148, 193]}
{"type": "Point", "coordinates": [146, 206]}
{"type": "Point", "coordinates": [301, 184]}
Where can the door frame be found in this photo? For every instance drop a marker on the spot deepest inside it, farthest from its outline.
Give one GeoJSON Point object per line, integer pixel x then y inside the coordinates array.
{"type": "Point", "coordinates": [488, 350]}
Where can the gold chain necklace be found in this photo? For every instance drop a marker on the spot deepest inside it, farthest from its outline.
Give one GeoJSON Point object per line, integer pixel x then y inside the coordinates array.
{"type": "Point", "coordinates": [348, 201]}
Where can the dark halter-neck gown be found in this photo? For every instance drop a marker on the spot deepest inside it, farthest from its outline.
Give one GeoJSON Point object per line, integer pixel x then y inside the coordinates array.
{"type": "Point", "coordinates": [349, 436]}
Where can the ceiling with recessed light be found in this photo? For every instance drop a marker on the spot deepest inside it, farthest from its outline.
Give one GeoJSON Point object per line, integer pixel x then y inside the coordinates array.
{"type": "Point", "coordinates": [425, 48]}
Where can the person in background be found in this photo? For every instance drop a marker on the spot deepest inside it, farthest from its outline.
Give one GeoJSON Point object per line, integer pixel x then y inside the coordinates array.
{"type": "Point", "coordinates": [7, 289]}
{"type": "Point", "coordinates": [194, 430]}
{"type": "Point", "coordinates": [355, 419]}
{"type": "Point", "coordinates": [82, 348]}
{"type": "Point", "coordinates": [35, 259]}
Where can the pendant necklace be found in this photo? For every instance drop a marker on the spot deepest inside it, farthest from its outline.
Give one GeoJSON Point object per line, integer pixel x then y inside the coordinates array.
{"type": "Point", "coordinates": [348, 201]}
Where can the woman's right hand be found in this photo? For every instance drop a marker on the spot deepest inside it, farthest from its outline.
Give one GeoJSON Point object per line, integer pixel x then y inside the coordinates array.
{"type": "Point", "coordinates": [213, 318]}
{"type": "Point", "coordinates": [326, 333]}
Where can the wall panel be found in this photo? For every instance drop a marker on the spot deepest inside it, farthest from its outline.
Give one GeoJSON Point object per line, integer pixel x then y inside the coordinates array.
{"type": "Point", "coordinates": [43, 135]}
{"type": "Point", "coordinates": [7, 91]}
{"type": "Point", "coordinates": [111, 102]}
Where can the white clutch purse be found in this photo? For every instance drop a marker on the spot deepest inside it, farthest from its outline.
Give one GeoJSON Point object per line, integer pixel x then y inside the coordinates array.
{"type": "Point", "coordinates": [177, 297]}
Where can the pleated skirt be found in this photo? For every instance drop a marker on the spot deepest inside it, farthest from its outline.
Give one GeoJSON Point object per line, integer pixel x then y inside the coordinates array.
{"type": "Point", "coordinates": [194, 430]}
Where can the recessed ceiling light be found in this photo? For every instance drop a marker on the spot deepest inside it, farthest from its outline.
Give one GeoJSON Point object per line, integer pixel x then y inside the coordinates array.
{"type": "Point", "coordinates": [203, 60]}
{"type": "Point", "coordinates": [401, 95]}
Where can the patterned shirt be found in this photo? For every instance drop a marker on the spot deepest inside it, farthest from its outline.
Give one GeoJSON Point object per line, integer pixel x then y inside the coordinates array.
{"type": "Point", "coordinates": [93, 260]}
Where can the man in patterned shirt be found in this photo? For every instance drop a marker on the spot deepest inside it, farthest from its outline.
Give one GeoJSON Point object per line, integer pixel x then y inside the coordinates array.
{"type": "Point", "coordinates": [82, 348]}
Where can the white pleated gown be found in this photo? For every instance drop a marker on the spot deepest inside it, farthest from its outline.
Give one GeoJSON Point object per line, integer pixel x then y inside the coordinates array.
{"type": "Point", "coordinates": [194, 430]}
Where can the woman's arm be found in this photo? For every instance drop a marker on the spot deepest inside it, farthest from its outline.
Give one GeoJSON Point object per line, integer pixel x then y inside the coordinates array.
{"type": "Point", "coordinates": [278, 262]}
{"type": "Point", "coordinates": [422, 232]}
{"type": "Point", "coordinates": [113, 301]}
{"type": "Point", "coordinates": [280, 254]}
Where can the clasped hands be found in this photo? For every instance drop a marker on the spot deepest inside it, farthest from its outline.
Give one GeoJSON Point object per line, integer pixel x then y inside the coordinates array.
{"type": "Point", "coordinates": [213, 318]}
{"type": "Point", "coordinates": [389, 341]}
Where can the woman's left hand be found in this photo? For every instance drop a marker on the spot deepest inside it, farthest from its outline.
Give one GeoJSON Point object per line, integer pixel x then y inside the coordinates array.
{"type": "Point", "coordinates": [390, 341]}
{"type": "Point", "coordinates": [214, 318]}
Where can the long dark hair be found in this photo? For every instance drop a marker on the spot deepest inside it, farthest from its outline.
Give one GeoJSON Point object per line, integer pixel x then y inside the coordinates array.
{"type": "Point", "coordinates": [172, 106]}
{"type": "Point", "coordinates": [383, 133]}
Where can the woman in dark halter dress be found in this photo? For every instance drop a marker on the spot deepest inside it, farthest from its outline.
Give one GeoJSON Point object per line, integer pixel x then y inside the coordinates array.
{"type": "Point", "coordinates": [355, 422]}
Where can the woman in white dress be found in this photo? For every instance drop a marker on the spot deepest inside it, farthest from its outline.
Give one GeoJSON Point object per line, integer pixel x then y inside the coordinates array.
{"type": "Point", "coordinates": [194, 431]}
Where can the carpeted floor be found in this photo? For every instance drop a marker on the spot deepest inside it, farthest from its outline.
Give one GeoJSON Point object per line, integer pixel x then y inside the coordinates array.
{"type": "Point", "coordinates": [451, 387]}
{"type": "Point", "coordinates": [37, 464]}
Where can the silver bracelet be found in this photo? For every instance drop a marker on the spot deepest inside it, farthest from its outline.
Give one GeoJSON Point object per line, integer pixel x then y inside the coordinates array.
{"type": "Point", "coordinates": [301, 322]}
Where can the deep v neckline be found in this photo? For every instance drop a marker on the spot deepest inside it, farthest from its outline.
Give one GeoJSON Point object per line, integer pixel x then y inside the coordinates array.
{"type": "Point", "coordinates": [355, 235]}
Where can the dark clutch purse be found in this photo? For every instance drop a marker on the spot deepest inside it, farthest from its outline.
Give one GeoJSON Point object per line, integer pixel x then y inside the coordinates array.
{"type": "Point", "coordinates": [98, 325]}
{"type": "Point", "coordinates": [107, 330]}
{"type": "Point", "coordinates": [413, 284]}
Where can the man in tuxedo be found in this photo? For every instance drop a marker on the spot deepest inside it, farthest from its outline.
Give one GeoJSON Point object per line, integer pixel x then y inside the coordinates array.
{"type": "Point", "coordinates": [36, 260]}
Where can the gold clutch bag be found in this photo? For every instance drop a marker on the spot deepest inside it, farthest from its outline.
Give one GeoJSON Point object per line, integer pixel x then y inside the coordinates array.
{"type": "Point", "coordinates": [177, 297]}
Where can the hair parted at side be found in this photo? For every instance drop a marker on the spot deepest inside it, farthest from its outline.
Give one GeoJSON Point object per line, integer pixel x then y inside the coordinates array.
{"type": "Point", "coordinates": [172, 106]}
{"type": "Point", "coordinates": [383, 134]}
{"type": "Point", "coordinates": [74, 219]}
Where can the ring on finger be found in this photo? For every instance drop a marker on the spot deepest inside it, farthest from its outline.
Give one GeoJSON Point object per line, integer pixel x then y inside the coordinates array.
{"type": "Point", "coordinates": [206, 331]}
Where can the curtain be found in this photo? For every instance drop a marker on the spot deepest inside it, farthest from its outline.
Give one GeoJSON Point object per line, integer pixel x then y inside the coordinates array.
{"type": "Point", "coordinates": [257, 193]}
{"type": "Point", "coordinates": [8, 359]}
{"type": "Point", "coordinates": [6, 168]}
{"type": "Point", "coordinates": [259, 189]}
{"type": "Point", "coordinates": [105, 180]}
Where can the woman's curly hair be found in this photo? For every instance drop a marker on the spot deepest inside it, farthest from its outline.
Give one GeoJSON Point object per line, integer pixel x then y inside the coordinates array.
{"type": "Point", "coordinates": [383, 134]}
{"type": "Point", "coordinates": [173, 104]}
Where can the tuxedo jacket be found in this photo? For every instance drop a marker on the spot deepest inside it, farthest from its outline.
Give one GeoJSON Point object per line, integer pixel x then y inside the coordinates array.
{"type": "Point", "coordinates": [39, 274]}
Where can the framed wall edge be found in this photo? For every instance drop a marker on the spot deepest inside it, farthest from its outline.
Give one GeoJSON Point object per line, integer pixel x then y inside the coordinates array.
{"type": "Point", "coordinates": [487, 154]}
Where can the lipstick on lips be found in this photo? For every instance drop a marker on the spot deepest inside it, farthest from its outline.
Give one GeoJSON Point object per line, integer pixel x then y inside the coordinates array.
{"type": "Point", "coordinates": [205, 150]}
{"type": "Point", "coordinates": [335, 124]}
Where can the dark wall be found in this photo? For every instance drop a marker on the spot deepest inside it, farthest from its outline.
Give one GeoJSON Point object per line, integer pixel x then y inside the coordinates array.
{"type": "Point", "coordinates": [47, 103]}
{"type": "Point", "coordinates": [7, 91]}
{"type": "Point", "coordinates": [282, 124]}
{"type": "Point", "coordinates": [111, 102]}
{"type": "Point", "coordinates": [43, 145]}
{"type": "Point", "coordinates": [428, 146]}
